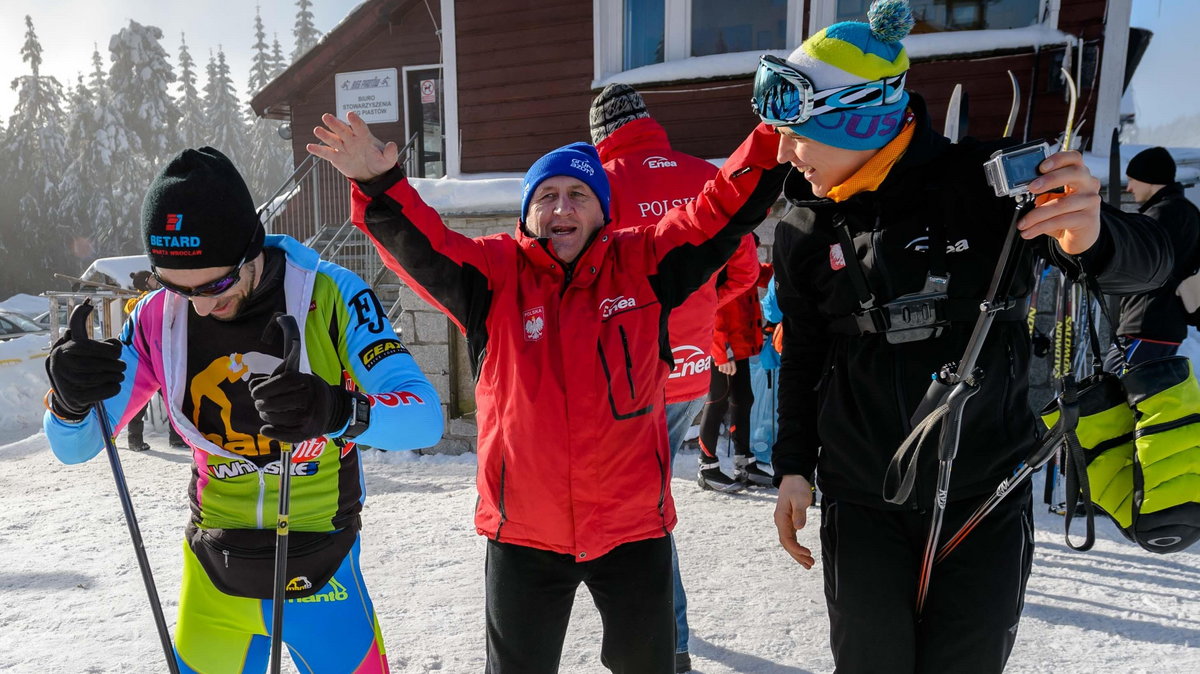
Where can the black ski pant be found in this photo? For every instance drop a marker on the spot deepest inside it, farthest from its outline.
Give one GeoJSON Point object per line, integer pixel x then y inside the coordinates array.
{"type": "Point", "coordinates": [872, 562]}
{"type": "Point", "coordinates": [732, 393]}
{"type": "Point", "coordinates": [530, 593]}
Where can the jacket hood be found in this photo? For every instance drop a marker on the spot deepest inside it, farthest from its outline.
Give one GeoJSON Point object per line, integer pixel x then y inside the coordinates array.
{"type": "Point", "coordinates": [638, 136]}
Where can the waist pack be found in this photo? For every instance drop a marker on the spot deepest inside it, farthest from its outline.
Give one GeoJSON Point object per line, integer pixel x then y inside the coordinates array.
{"type": "Point", "coordinates": [1135, 454]}
{"type": "Point", "coordinates": [241, 562]}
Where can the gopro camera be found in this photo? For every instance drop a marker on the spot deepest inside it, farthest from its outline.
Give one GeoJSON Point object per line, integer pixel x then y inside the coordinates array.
{"type": "Point", "coordinates": [1010, 171]}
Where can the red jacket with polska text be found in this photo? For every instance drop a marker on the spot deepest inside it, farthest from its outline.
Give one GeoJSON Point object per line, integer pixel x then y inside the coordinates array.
{"type": "Point", "coordinates": [648, 179]}
{"type": "Point", "coordinates": [571, 360]}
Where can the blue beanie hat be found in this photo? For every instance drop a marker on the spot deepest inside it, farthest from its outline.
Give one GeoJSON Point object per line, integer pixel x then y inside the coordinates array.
{"type": "Point", "coordinates": [850, 53]}
{"type": "Point", "coordinates": [577, 160]}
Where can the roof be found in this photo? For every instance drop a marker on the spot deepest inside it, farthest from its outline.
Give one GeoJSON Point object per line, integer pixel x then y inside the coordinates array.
{"type": "Point", "coordinates": [334, 48]}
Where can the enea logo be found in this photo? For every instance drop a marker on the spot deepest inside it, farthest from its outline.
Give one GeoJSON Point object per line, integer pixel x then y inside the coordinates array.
{"type": "Point", "coordinates": [337, 592]}
{"type": "Point", "coordinates": [613, 305]}
{"type": "Point", "coordinates": [534, 321]}
{"type": "Point", "coordinates": [583, 166]}
{"type": "Point", "coordinates": [377, 351]}
{"type": "Point", "coordinates": [657, 162]}
{"type": "Point", "coordinates": [690, 360]}
{"type": "Point", "coordinates": [174, 222]}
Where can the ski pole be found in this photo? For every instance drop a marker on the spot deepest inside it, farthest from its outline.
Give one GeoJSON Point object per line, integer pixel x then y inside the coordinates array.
{"type": "Point", "coordinates": [291, 358]}
{"type": "Point", "coordinates": [78, 326]}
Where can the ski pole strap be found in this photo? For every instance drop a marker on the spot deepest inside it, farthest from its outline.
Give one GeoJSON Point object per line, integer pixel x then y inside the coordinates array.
{"type": "Point", "coordinates": [1078, 487]}
{"type": "Point", "coordinates": [1093, 288]}
{"type": "Point", "coordinates": [899, 479]}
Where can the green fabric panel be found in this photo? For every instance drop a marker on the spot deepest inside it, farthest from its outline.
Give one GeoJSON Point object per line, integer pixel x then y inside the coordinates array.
{"type": "Point", "coordinates": [1111, 478]}
{"type": "Point", "coordinates": [1170, 460]}
{"type": "Point", "coordinates": [204, 649]}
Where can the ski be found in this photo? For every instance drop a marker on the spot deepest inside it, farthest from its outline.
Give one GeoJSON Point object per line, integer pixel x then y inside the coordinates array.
{"type": "Point", "coordinates": [1011, 124]}
{"type": "Point", "coordinates": [1114, 169]}
{"type": "Point", "coordinates": [951, 127]}
{"type": "Point", "coordinates": [1073, 94]}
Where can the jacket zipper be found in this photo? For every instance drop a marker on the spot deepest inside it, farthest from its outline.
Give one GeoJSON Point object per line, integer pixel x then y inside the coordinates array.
{"type": "Point", "coordinates": [262, 487]}
{"type": "Point", "coordinates": [500, 504]}
{"type": "Point", "coordinates": [628, 362]}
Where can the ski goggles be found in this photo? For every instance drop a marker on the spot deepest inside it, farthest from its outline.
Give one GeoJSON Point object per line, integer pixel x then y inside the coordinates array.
{"type": "Point", "coordinates": [784, 96]}
{"type": "Point", "coordinates": [213, 288]}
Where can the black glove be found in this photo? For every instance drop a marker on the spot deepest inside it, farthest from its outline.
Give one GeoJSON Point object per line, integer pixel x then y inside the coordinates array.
{"type": "Point", "coordinates": [296, 406]}
{"type": "Point", "coordinates": [83, 372]}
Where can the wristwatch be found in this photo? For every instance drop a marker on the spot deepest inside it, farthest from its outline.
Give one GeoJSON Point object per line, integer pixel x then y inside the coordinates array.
{"type": "Point", "coordinates": [360, 415]}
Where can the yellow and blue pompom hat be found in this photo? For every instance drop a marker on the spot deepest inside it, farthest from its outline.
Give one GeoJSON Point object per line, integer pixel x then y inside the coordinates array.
{"type": "Point", "coordinates": [851, 53]}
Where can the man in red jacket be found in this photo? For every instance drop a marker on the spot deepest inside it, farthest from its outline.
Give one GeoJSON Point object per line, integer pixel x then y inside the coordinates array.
{"type": "Point", "coordinates": [647, 178]}
{"type": "Point", "coordinates": [565, 322]}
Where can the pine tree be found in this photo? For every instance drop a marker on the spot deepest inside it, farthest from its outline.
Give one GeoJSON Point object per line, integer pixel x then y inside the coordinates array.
{"type": "Point", "coordinates": [278, 62]}
{"type": "Point", "coordinates": [193, 125]}
{"type": "Point", "coordinates": [113, 174]}
{"type": "Point", "coordinates": [305, 31]}
{"type": "Point", "coordinates": [140, 79]}
{"type": "Point", "coordinates": [270, 156]}
{"type": "Point", "coordinates": [33, 231]}
{"type": "Point", "coordinates": [227, 131]}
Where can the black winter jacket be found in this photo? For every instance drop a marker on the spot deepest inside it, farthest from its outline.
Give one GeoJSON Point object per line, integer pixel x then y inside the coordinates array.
{"type": "Point", "coordinates": [845, 401]}
{"type": "Point", "coordinates": [1159, 314]}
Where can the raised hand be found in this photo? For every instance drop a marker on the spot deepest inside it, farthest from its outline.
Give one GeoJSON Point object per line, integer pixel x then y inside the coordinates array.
{"type": "Point", "coordinates": [352, 149]}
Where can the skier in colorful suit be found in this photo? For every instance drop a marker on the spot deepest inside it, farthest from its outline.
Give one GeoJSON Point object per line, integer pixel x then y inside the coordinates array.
{"type": "Point", "coordinates": [208, 340]}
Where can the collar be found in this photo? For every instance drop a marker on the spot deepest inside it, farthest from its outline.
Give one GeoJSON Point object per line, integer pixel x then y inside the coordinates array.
{"type": "Point", "coordinates": [871, 175]}
{"type": "Point", "coordinates": [1169, 191]}
{"type": "Point", "coordinates": [585, 268]}
{"type": "Point", "coordinates": [640, 135]}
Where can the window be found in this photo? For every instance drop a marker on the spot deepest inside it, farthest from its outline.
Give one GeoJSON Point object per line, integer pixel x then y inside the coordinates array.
{"type": "Point", "coordinates": [632, 34]}
{"type": "Point", "coordinates": [936, 16]}
{"type": "Point", "coordinates": [721, 27]}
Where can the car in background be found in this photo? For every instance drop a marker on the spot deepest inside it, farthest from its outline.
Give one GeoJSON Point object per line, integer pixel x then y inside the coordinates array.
{"type": "Point", "coordinates": [14, 325]}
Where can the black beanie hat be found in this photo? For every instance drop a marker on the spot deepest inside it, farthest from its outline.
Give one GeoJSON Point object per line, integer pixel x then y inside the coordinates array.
{"type": "Point", "coordinates": [1154, 166]}
{"type": "Point", "coordinates": [613, 108]}
{"type": "Point", "coordinates": [198, 213]}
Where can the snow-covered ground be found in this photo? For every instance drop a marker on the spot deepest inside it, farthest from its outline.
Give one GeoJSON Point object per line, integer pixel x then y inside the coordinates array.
{"type": "Point", "coordinates": [74, 601]}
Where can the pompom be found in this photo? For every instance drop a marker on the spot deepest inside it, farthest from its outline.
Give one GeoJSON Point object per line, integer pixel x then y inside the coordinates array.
{"type": "Point", "coordinates": [890, 20]}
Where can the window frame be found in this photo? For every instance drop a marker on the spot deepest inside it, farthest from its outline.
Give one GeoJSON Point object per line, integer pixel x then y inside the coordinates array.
{"type": "Point", "coordinates": [824, 12]}
{"type": "Point", "coordinates": [607, 32]}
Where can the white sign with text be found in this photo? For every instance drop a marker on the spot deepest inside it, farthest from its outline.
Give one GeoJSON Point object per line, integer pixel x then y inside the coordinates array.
{"type": "Point", "coordinates": [373, 94]}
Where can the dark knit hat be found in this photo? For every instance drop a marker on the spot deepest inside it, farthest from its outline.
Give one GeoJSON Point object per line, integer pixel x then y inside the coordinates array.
{"type": "Point", "coordinates": [198, 213]}
{"type": "Point", "coordinates": [1154, 166]}
{"type": "Point", "coordinates": [616, 106]}
{"type": "Point", "coordinates": [577, 160]}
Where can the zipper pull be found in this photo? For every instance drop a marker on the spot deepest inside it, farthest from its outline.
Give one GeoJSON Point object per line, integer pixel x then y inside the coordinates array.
{"type": "Point", "coordinates": [226, 553]}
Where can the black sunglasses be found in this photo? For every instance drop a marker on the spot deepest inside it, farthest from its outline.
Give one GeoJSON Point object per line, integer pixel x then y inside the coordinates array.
{"type": "Point", "coordinates": [210, 289]}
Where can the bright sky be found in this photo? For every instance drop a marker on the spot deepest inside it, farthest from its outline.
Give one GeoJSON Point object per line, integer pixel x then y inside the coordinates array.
{"type": "Point", "coordinates": [68, 29]}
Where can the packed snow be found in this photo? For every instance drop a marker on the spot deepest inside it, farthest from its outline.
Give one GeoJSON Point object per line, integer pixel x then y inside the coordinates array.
{"type": "Point", "coordinates": [75, 600]}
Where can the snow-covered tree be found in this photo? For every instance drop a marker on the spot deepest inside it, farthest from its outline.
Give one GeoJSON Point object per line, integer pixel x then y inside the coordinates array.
{"type": "Point", "coordinates": [227, 129]}
{"type": "Point", "coordinates": [140, 79]}
{"type": "Point", "coordinates": [193, 125]}
{"type": "Point", "coordinates": [113, 174]}
{"type": "Point", "coordinates": [31, 225]}
{"type": "Point", "coordinates": [306, 32]}
{"type": "Point", "coordinates": [269, 159]}
{"type": "Point", "coordinates": [278, 61]}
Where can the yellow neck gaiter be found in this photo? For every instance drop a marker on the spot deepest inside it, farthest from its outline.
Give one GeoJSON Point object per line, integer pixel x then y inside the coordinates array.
{"type": "Point", "coordinates": [873, 173]}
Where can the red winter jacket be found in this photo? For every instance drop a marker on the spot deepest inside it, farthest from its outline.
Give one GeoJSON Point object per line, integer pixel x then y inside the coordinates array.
{"type": "Point", "coordinates": [648, 179]}
{"type": "Point", "coordinates": [738, 331]}
{"type": "Point", "coordinates": [571, 360]}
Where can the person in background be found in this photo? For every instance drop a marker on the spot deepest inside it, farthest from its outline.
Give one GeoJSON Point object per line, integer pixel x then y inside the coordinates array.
{"type": "Point", "coordinates": [1153, 324]}
{"type": "Point", "coordinates": [738, 335]}
{"type": "Point", "coordinates": [647, 178]}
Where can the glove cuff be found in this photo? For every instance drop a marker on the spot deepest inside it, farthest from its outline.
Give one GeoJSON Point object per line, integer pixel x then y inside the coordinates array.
{"type": "Point", "coordinates": [63, 410]}
{"type": "Point", "coordinates": [339, 409]}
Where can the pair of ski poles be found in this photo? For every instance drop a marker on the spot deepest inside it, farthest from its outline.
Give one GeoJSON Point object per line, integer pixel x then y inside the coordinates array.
{"type": "Point", "coordinates": [291, 332]}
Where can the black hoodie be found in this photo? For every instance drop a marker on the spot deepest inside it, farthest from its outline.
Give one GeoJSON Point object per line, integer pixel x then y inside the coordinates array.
{"type": "Point", "coordinates": [845, 401]}
{"type": "Point", "coordinates": [1159, 315]}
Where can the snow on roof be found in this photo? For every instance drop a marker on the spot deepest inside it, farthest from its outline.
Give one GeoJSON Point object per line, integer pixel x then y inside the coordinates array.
{"type": "Point", "coordinates": [117, 268]}
{"type": "Point", "coordinates": [925, 45]}
{"type": "Point", "coordinates": [475, 193]}
{"type": "Point", "coordinates": [23, 303]}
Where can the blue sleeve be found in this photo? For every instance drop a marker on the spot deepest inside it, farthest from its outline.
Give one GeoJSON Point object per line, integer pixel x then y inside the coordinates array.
{"type": "Point", "coordinates": [770, 305]}
{"type": "Point", "coordinates": [406, 411]}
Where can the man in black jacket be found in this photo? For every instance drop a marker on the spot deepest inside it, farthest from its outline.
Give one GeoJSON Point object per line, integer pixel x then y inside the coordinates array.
{"type": "Point", "coordinates": [882, 207]}
{"type": "Point", "coordinates": [1154, 324]}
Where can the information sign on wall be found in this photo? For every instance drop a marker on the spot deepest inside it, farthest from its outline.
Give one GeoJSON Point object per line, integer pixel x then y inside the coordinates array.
{"type": "Point", "coordinates": [373, 94]}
